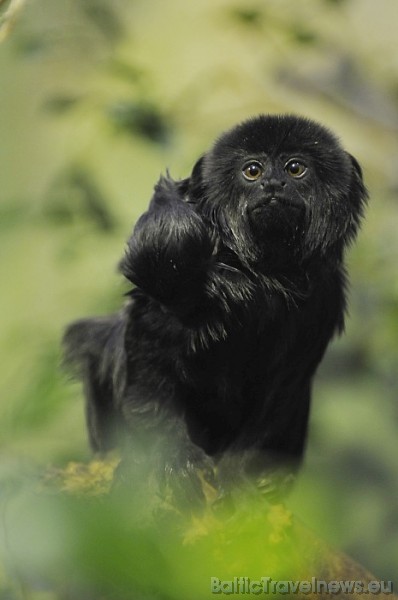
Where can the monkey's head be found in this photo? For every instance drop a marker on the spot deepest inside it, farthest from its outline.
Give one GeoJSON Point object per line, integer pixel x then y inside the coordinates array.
{"type": "Point", "coordinates": [280, 186]}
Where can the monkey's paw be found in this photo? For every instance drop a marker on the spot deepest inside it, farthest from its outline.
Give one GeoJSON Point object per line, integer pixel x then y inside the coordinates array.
{"type": "Point", "coordinates": [189, 478]}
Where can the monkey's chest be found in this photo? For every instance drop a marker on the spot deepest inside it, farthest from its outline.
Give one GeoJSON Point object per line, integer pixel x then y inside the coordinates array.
{"type": "Point", "coordinates": [245, 380]}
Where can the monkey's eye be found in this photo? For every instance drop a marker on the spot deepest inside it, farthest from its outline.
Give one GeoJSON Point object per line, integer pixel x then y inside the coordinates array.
{"type": "Point", "coordinates": [295, 168]}
{"type": "Point", "coordinates": [252, 170]}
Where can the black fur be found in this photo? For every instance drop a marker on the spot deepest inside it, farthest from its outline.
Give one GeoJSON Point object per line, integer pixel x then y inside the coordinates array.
{"type": "Point", "coordinates": [240, 285]}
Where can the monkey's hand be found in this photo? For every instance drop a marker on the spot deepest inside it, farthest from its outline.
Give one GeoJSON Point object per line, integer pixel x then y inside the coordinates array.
{"type": "Point", "coordinates": [169, 250]}
{"type": "Point", "coordinates": [159, 453]}
{"type": "Point", "coordinates": [187, 473]}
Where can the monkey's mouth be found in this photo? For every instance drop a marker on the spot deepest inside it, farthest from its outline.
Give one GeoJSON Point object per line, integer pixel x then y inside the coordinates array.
{"type": "Point", "coordinates": [279, 202]}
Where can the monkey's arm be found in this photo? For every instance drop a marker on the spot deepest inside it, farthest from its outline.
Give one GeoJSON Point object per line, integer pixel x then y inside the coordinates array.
{"type": "Point", "coordinates": [176, 258]}
{"type": "Point", "coordinates": [169, 251]}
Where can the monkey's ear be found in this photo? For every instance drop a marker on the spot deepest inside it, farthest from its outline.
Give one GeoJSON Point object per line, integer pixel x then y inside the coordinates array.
{"type": "Point", "coordinates": [356, 166]}
{"type": "Point", "coordinates": [197, 168]}
{"type": "Point", "coordinates": [358, 191]}
{"type": "Point", "coordinates": [358, 196]}
{"type": "Point", "coordinates": [196, 185]}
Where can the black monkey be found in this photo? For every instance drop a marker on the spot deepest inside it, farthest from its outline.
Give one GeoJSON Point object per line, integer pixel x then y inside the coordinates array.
{"type": "Point", "coordinates": [239, 286]}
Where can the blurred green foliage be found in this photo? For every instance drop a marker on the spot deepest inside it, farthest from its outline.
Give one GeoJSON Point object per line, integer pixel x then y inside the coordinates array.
{"type": "Point", "coordinates": [92, 547]}
{"type": "Point", "coordinates": [96, 99]}
{"type": "Point", "coordinates": [96, 540]}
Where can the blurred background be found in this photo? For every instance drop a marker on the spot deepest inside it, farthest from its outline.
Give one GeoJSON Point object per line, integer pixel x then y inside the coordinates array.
{"type": "Point", "coordinates": [97, 98]}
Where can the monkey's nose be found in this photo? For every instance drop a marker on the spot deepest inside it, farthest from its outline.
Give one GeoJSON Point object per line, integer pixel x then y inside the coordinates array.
{"type": "Point", "coordinates": [272, 184]}
{"type": "Point", "coordinates": [272, 188]}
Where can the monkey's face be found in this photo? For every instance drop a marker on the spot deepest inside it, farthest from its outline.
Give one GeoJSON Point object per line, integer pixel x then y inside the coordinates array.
{"type": "Point", "coordinates": [274, 192]}
{"type": "Point", "coordinates": [282, 184]}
